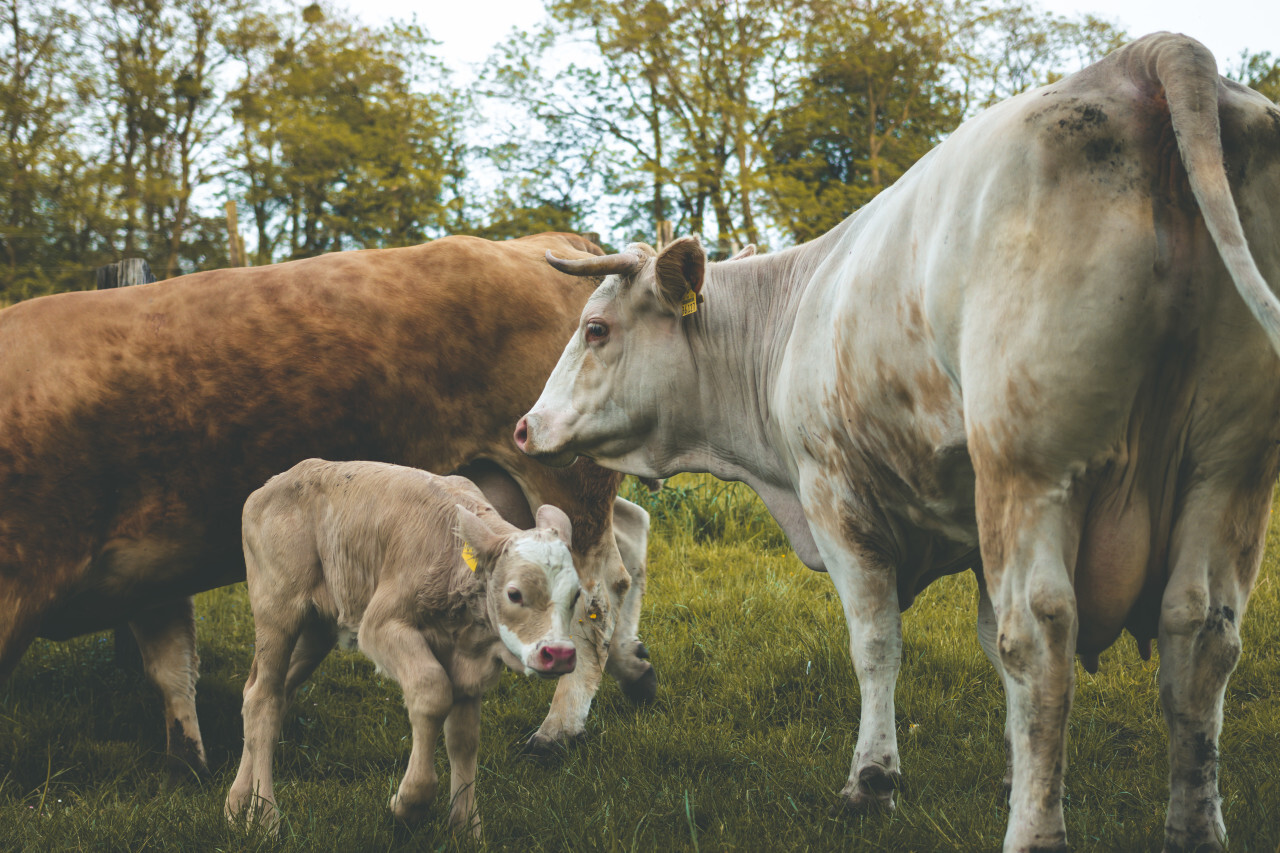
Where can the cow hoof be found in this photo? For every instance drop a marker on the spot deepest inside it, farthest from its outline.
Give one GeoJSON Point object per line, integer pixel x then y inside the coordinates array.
{"type": "Point", "coordinates": [183, 772]}
{"type": "Point", "coordinates": [871, 794]}
{"type": "Point", "coordinates": [1186, 842]}
{"type": "Point", "coordinates": [541, 748]}
{"type": "Point", "coordinates": [643, 690]}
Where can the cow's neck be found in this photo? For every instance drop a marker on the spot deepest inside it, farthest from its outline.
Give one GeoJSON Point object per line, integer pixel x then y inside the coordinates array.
{"type": "Point", "coordinates": [737, 340]}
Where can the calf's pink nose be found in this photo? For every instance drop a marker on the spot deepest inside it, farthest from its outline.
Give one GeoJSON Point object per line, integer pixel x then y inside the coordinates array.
{"type": "Point", "coordinates": [522, 433]}
{"type": "Point", "coordinates": [557, 658]}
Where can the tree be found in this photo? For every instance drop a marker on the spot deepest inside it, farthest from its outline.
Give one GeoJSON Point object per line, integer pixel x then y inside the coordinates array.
{"type": "Point", "coordinates": [337, 146]}
{"type": "Point", "coordinates": [41, 172]}
{"type": "Point", "coordinates": [683, 90]}
{"type": "Point", "coordinates": [873, 98]}
{"type": "Point", "coordinates": [159, 117]}
{"type": "Point", "coordinates": [1258, 71]}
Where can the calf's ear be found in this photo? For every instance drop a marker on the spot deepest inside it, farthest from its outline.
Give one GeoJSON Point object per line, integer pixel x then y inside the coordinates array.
{"type": "Point", "coordinates": [477, 536]}
{"type": "Point", "coordinates": [679, 270]}
{"type": "Point", "coordinates": [554, 518]}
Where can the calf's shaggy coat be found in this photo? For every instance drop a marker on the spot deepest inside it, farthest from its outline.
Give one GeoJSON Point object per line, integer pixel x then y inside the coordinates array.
{"type": "Point", "coordinates": [427, 579]}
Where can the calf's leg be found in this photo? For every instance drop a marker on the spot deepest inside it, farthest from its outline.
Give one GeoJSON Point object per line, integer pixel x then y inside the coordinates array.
{"type": "Point", "coordinates": [166, 638]}
{"type": "Point", "coordinates": [313, 646]}
{"type": "Point", "coordinates": [462, 741]}
{"type": "Point", "coordinates": [263, 712]}
{"type": "Point", "coordinates": [402, 652]}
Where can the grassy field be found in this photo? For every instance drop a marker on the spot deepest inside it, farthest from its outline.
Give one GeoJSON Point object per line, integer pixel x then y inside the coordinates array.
{"type": "Point", "coordinates": [745, 749]}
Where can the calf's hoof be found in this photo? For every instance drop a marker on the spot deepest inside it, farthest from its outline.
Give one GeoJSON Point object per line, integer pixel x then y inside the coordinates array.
{"type": "Point", "coordinates": [871, 793]}
{"type": "Point", "coordinates": [465, 824]}
{"type": "Point", "coordinates": [252, 810]}
{"type": "Point", "coordinates": [642, 690]}
{"type": "Point", "coordinates": [409, 811]}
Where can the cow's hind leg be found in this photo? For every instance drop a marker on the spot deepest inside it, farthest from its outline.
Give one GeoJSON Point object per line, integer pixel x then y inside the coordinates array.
{"type": "Point", "coordinates": [866, 582]}
{"type": "Point", "coordinates": [17, 630]}
{"type": "Point", "coordinates": [1030, 535]}
{"type": "Point", "coordinates": [166, 638]}
{"type": "Point", "coordinates": [1216, 551]}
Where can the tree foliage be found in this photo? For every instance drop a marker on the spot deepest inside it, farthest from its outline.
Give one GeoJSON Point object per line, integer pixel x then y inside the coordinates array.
{"type": "Point", "coordinates": [126, 124]}
{"type": "Point", "coordinates": [756, 120]}
{"type": "Point", "coordinates": [336, 147]}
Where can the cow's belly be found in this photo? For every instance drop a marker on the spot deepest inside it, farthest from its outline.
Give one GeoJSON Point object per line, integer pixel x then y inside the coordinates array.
{"type": "Point", "coordinates": [129, 576]}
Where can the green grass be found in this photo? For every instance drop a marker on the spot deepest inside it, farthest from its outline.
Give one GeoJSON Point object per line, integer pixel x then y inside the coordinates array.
{"type": "Point", "coordinates": [745, 749]}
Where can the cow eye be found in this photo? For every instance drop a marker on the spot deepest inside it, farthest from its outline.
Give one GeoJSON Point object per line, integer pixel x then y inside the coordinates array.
{"type": "Point", "coordinates": [576, 596]}
{"type": "Point", "coordinates": [596, 331]}
{"type": "Point", "coordinates": [514, 596]}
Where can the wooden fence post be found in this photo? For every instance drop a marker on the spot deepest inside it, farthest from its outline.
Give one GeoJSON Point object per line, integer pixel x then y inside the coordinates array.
{"type": "Point", "coordinates": [666, 233]}
{"type": "Point", "coordinates": [124, 273]}
{"type": "Point", "coordinates": [235, 242]}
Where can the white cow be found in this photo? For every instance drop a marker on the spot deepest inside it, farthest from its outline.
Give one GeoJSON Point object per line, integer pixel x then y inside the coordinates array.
{"type": "Point", "coordinates": [1051, 341]}
{"type": "Point", "coordinates": [366, 554]}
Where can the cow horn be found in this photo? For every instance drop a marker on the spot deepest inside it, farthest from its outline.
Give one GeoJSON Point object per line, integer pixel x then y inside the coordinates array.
{"type": "Point", "coordinates": [623, 263]}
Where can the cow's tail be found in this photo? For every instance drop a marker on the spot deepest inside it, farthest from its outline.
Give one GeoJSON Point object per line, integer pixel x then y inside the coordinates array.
{"type": "Point", "coordinates": [1189, 76]}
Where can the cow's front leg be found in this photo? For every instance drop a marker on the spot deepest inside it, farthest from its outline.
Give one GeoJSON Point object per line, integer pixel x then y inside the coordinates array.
{"type": "Point", "coordinates": [402, 652]}
{"type": "Point", "coordinates": [867, 585]}
{"type": "Point", "coordinates": [567, 718]}
{"type": "Point", "coordinates": [869, 594]}
{"type": "Point", "coordinates": [628, 658]}
{"type": "Point", "coordinates": [166, 638]}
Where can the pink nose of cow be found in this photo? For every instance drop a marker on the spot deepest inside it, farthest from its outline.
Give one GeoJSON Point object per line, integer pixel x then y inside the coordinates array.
{"type": "Point", "coordinates": [522, 433]}
{"type": "Point", "coordinates": [557, 658]}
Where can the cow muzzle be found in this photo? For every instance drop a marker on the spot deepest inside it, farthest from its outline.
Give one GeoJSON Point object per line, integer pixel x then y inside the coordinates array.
{"type": "Point", "coordinates": [551, 659]}
{"type": "Point", "coordinates": [527, 435]}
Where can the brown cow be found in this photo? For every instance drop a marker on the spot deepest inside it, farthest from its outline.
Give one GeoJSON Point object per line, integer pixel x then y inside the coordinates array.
{"type": "Point", "coordinates": [137, 421]}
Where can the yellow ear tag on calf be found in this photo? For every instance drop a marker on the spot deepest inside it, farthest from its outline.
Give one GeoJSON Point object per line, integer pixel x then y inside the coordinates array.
{"type": "Point", "coordinates": [469, 555]}
{"type": "Point", "coordinates": [689, 304]}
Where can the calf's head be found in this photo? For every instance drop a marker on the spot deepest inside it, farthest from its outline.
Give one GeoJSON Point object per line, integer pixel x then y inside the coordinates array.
{"type": "Point", "coordinates": [628, 360]}
{"type": "Point", "coordinates": [531, 587]}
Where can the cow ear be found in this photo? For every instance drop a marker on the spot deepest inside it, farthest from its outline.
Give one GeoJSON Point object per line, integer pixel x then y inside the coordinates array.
{"type": "Point", "coordinates": [745, 252]}
{"type": "Point", "coordinates": [553, 518]}
{"type": "Point", "coordinates": [679, 271]}
{"type": "Point", "coordinates": [480, 545]}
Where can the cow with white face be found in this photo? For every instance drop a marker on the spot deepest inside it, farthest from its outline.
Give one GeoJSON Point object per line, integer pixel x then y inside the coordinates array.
{"type": "Point", "coordinates": [1048, 352]}
{"type": "Point", "coordinates": [425, 577]}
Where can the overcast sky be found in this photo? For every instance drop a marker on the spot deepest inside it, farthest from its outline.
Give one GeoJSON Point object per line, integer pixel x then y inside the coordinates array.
{"type": "Point", "coordinates": [468, 29]}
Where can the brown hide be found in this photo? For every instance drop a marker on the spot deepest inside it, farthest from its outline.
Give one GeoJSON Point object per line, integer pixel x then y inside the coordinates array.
{"type": "Point", "coordinates": [135, 422]}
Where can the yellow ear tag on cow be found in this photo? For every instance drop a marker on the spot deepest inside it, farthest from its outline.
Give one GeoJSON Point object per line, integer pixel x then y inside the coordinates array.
{"type": "Point", "coordinates": [469, 555]}
{"type": "Point", "coordinates": [689, 304]}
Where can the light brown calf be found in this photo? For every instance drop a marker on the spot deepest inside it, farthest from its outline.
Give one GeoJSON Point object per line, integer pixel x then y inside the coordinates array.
{"type": "Point", "coordinates": [372, 555]}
